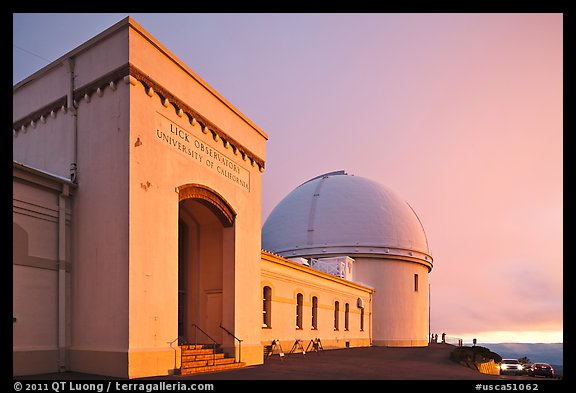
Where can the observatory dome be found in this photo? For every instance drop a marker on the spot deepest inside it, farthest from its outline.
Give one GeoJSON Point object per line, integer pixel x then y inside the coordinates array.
{"type": "Point", "coordinates": [338, 214]}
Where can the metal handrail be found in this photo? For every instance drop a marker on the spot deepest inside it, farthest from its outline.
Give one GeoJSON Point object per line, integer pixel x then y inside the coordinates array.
{"type": "Point", "coordinates": [239, 343]}
{"type": "Point", "coordinates": [214, 343]}
{"type": "Point", "coordinates": [456, 341]}
{"type": "Point", "coordinates": [170, 343]}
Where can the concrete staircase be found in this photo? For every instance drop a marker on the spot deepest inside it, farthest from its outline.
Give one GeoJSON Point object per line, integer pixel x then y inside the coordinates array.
{"type": "Point", "coordinates": [203, 359]}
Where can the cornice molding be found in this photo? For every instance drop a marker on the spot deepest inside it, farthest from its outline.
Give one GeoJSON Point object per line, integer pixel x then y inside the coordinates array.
{"type": "Point", "coordinates": [182, 109]}
{"type": "Point", "coordinates": [129, 74]}
{"type": "Point", "coordinates": [98, 85]}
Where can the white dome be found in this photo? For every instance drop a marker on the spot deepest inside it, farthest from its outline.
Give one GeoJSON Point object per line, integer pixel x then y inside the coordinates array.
{"type": "Point", "coordinates": [338, 214]}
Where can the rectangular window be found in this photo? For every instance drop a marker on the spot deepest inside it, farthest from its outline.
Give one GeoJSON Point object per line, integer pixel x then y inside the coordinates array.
{"type": "Point", "coordinates": [267, 307]}
{"type": "Point", "coordinates": [346, 316]}
{"type": "Point", "coordinates": [416, 283]}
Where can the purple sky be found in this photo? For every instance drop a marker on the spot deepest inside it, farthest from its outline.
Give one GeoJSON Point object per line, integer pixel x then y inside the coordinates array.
{"type": "Point", "coordinates": [459, 114]}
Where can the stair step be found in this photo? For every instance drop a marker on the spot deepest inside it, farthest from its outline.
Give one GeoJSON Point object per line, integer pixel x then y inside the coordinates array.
{"type": "Point", "coordinates": [222, 361]}
{"type": "Point", "coordinates": [191, 358]}
{"type": "Point", "coordinates": [191, 346]}
{"type": "Point", "coordinates": [211, 368]}
{"type": "Point", "coordinates": [192, 352]}
{"type": "Point", "coordinates": [206, 362]}
{"type": "Point", "coordinates": [194, 363]}
{"type": "Point", "coordinates": [202, 358]}
{"type": "Point", "coordinates": [199, 346]}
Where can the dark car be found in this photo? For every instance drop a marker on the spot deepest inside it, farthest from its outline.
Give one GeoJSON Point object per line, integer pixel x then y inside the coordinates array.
{"type": "Point", "coordinates": [541, 369]}
{"type": "Point", "coordinates": [526, 367]}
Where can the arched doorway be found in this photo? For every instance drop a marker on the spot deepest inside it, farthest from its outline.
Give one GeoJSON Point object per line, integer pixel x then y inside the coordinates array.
{"type": "Point", "coordinates": [205, 253]}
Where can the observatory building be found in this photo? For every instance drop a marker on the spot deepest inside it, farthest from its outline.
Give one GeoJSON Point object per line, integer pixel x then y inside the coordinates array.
{"type": "Point", "coordinates": [138, 244]}
{"type": "Point", "coordinates": [337, 217]}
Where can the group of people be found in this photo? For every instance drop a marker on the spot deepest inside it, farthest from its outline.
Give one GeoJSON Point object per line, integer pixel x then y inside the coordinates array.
{"type": "Point", "coordinates": [434, 338]}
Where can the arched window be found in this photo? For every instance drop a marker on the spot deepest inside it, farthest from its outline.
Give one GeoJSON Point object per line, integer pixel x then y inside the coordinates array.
{"type": "Point", "coordinates": [267, 307]}
{"type": "Point", "coordinates": [336, 315]}
{"type": "Point", "coordinates": [314, 312]}
{"type": "Point", "coordinates": [360, 305]}
{"type": "Point", "coordinates": [299, 303]}
{"type": "Point", "coordinates": [346, 316]}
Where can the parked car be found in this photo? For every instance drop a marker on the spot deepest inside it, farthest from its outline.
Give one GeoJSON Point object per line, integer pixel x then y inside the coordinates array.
{"type": "Point", "coordinates": [511, 366]}
{"type": "Point", "coordinates": [543, 369]}
{"type": "Point", "coordinates": [526, 368]}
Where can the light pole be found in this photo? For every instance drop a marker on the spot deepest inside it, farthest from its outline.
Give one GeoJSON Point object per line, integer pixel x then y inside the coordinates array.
{"type": "Point", "coordinates": [429, 331]}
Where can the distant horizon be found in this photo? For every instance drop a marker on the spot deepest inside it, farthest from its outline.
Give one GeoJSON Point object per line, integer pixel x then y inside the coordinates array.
{"type": "Point", "coordinates": [521, 343]}
{"type": "Point", "coordinates": [552, 353]}
{"type": "Point", "coordinates": [508, 336]}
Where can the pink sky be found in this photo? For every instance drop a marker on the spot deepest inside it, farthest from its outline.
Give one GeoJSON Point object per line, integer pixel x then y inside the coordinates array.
{"type": "Point", "coordinates": [459, 114]}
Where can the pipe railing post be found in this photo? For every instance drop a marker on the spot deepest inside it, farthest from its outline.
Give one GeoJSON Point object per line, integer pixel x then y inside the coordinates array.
{"type": "Point", "coordinates": [239, 343]}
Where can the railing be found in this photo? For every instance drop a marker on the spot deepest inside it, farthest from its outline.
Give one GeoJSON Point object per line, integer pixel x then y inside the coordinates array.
{"type": "Point", "coordinates": [214, 343]}
{"type": "Point", "coordinates": [239, 343]}
{"type": "Point", "coordinates": [457, 341]}
{"type": "Point", "coordinates": [170, 343]}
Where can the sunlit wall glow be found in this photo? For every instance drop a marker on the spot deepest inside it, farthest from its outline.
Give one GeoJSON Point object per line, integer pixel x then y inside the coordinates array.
{"type": "Point", "coordinates": [460, 114]}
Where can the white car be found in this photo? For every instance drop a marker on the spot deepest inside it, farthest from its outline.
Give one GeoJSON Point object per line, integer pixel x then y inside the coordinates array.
{"type": "Point", "coordinates": [511, 366]}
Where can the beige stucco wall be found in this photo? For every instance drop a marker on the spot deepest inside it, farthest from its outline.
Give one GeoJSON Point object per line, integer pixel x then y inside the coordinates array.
{"type": "Point", "coordinates": [124, 263]}
{"type": "Point", "coordinates": [37, 146]}
{"type": "Point", "coordinates": [59, 120]}
{"type": "Point", "coordinates": [48, 143]}
{"type": "Point", "coordinates": [119, 188]}
{"type": "Point", "coordinates": [400, 314]}
{"type": "Point", "coordinates": [158, 166]}
{"type": "Point", "coordinates": [287, 279]}
{"type": "Point", "coordinates": [41, 243]}
{"type": "Point", "coordinates": [100, 222]}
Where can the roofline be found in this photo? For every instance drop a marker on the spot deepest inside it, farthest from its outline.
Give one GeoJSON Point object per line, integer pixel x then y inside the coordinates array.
{"type": "Point", "coordinates": [23, 172]}
{"type": "Point", "coordinates": [131, 23]}
{"type": "Point", "coordinates": [144, 33]}
{"type": "Point", "coordinates": [74, 52]}
{"type": "Point", "coordinates": [280, 260]}
{"type": "Point", "coordinates": [363, 252]}
{"type": "Point", "coordinates": [333, 173]}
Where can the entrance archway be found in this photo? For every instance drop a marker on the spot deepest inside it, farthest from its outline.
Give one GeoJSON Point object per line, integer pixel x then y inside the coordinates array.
{"type": "Point", "coordinates": [205, 253]}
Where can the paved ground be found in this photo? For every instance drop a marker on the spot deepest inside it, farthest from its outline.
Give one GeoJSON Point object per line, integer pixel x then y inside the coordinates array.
{"type": "Point", "coordinates": [368, 363]}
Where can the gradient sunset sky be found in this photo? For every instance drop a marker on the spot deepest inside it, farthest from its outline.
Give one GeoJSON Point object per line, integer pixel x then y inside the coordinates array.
{"type": "Point", "coordinates": [460, 114]}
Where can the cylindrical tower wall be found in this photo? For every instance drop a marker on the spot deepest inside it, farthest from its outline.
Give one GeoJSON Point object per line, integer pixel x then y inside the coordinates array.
{"type": "Point", "coordinates": [400, 302]}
